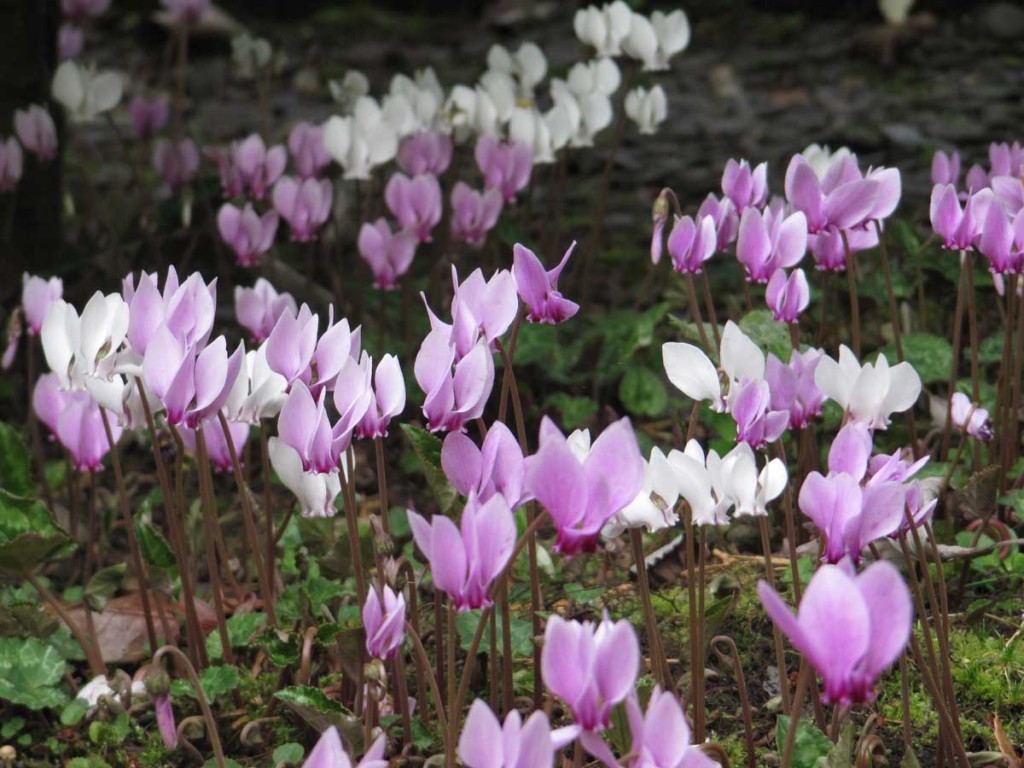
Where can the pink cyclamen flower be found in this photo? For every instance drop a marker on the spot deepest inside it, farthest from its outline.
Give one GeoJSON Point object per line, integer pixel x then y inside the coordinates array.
{"type": "Point", "coordinates": [486, 743]}
{"type": "Point", "coordinates": [305, 205]}
{"type": "Point", "coordinates": [186, 11]}
{"type": "Point", "coordinates": [583, 492]}
{"type": "Point", "coordinates": [258, 309]}
{"type": "Point", "coordinates": [425, 152]}
{"type": "Point", "coordinates": [177, 162]}
{"type": "Point", "coordinates": [539, 288]}
{"type": "Point", "coordinates": [306, 145]}
{"type": "Point", "coordinates": [453, 397]}
{"type": "Point", "coordinates": [217, 448]}
{"type": "Point", "coordinates": [192, 384]}
{"type": "Point", "coordinates": [591, 668]}
{"type": "Point", "coordinates": [1002, 241]}
{"type": "Point", "coordinates": [692, 243]}
{"type": "Point", "coordinates": [481, 309]}
{"type": "Point", "coordinates": [793, 388]}
{"type": "Point", "coordinates": [384, 623]}
{"type": "Point", "coordinates": [506, 167]}
{"type": "Point", "coordinates": [388, 398]}
{"type": "Point", "coordinates": [258, 168]}
{"type": "Point", "coordinates": [829, 246]}
{"type": "Point", "coordinates": [70, 41]}
{"type": "Point", "coordinates": [850, 628]}
{"type": "Point", "coordinates": [187, 309]}
{"type": "Point", "coordinates": [37, 296]}
{"type": "Point", "coordinates": [723, 213]}
{"type": "Point", "coordinates": [661, 735]}
{"type": "Point", "coordinates": [330, 753]}
{"type": "Point", "coordinates": [389, 254]}
{"type": "Point", "coordinates": [80, 430]}
{"type": "Point", "coordinates": [788, 296]}
{"type": "Point", "coordinates": [36, 131]}
{"type": "Point", "coordinates": [12, 162]}
{"type": "Point", "coordinates": [1005, 159]}
{"type": "Point", "coordinates": [149, 116]}
{"type": "Point", "coordinates": [415, 202]}
{"type": "Point", "coordinates": [49, 401]}
{"type": "Point", "coordinates": [770, 241]}
{"type": "Point", "coordinates": [958, 227]}
{"type": "Point", "coordinates": [659, 215]}
{"type": "Point", "coordinates": [971, 419]}
{"type": "Point", "coordinates": [744, 187]}
{"type": "Point", "coordinates": [749, 404]}
{"type": "Point", "coordinates": [474, 214]}
{"type": "Point", "coordinates": [247, 233]}
{"type": "Point", "coordinates": [291, 344]}
{"type": "Point", "coordinates": [843, 199]}
{"type": "Point", "coordinates": [465, 560]}
{"type": "Point", "coordinates": [83, 10]}
{"type": "Point", "coordinates": [164, 711]}
{"type": "Point", "coordinates": [945, 168]}
{"type": "Point", "coordinates": [496, 467]}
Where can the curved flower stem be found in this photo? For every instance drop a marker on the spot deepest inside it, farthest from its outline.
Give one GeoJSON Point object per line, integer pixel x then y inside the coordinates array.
{"type": "Point", "coordinates": [133, 543]}
{"type": "Point", "coordinates": [208, 503]}
{"type": "Point", "coordinates": [92, 654]}
{"type": "Point", "coordinates": [423, 663]}
{"type": "Point", "coordinates": [659, 665]}
{"type": "Point", "coordinates": [196, 646]}
{"type": "Point", "coordinates": [250, 523]}
{"type": "Point", "coordinates": [204, 705]}
{"type": "Point", "coordinates": [741, 683]}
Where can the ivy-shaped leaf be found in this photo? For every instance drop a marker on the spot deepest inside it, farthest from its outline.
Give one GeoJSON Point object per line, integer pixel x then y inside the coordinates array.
{"type": "Point", "coordinates": [30, 670]}
{"type": "Point", "coordinates": [427, 448]}
{"type": "Point", "coordinates": [15, 472]}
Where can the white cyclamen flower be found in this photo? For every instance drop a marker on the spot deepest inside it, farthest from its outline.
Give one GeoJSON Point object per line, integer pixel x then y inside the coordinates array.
{"type": "Point", "coordinates": [362, 141]}
{"type": "Point", "coordinates": [821, 158]}
{"type": "Point", "coordinates": [648, 109]}
{"type": "Point", "coordinates": [870, 393]}
{"type": "Point", "coordinates": [673, 33]}
{"type": "Point", "coordinates": [693, 373]}
{"type": "Point", "coordinates": [654, 506]}
{"type": "Point", "coordinates": [528, 66]}
{"type": "Point", "coordinates": [85, 92]}
{"type": "Point", "coordinates": [603, 28]}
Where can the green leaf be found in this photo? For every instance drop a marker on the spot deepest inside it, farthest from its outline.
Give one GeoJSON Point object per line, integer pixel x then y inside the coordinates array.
{"type": "Point", "coordinates": [28, 535]}
{"type": "Point", "coordinates": [11, 727]}
{"type": "Point", "coordinates": [990, 350]}
{"type": "Point", "coordinates": [104, 585]}
{"type": "Point", "coordinates": [573, 411]}
{"type": "Point", "coordinates": [522, 634]}
{"type": "Point", "coordinates": [218, 681]}
{"type": "Point", "coordinates": [310, 697]}
{"type": "Point", "coordinates": [73, 713]}
{"type": "Point", "coordinates": [111, 732]}
{"type": "Point", "coordinates": [810, 743]}
{"type": "Point", "coordinates": [155, 549]}
{"type": "Point", "coordinates": [643, 392]}
{"type": "Point", "coordinates": [26, 621]}
{"type": "Point", "coordinates": [841, 755]}
{"type": "Point", "coordinates": [428, 450]}
{"type": "Point", "coordinates": [228, 763]}
{"type": "Point", "coordinates": [241, 629]}
{"type": "Point", "coordinates": [29, 671]}
{"type": "Point", "coordinates": [768, 333]}
{"type": "Point", "coordinates": [931, 355]}
{"type": "Point", "coordinates": [289, 753]}
{"type": "Point", "coordinates": [909, 760]}
{"type": "Point", "coordinates": [15, 472]}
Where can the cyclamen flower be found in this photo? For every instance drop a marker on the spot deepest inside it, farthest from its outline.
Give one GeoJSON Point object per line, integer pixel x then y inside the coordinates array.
{"type": "Point", "coordinates": [850, 628]}
{"type": "Point", "coordinates": [12, 162]}
{"type": "Point", "coordinates": [425, 152]}
{"type": "Point", "coordinates": [70, 41]}
{"type": "Point", "coordinates": [661, 736]}
{"type": "Point", "coordinates": [361, 142]}
{"type": "Point", "coordinates": [971, 419]}
{"type": "Point", "coordinates": [330, 753]}
{"type": "Point", "coordinates": [149, 116]}
{"type": "Point", "coordinates": [85, 92]}
{"type": "Point", "coordinates": [539, 289]}
{"type": "Point", "coordinates": [453, 398]}
{"type": "Point", "coordinates": [485, 743]}
{"type": "Point", "coordinates": [164, 711]}
{"type": "Point", "coordinates": [506, 167]}
{"type": "Point", "coordinates": [582, 490]}
{"type": "Point", "coordinates": [603, 28]}
{"type": "Point", "coordinates": [81, 348]}
{"type": "Point", "coordinates": [480, 309]}
{"type": "Point", "coordinates": [305, 205]}
{"type": "Point", "coordinates": [258, 168]}
{"type": "Point", "coordinates": [744, 187]}
{"type": "Point", "coordinates": [75, 420]}
{"type": "Point", "coordinates": [292, 342]}
{"type": "Point", "coordinates": [653, 507]}
{"type": "Point", "coordinates": [187, 309]}
{"type": "Point", "coordinates": [770, 241]}
{"type": "Point", "coordinates": [748, 404]}
{"type": "Point", "coordinates": [258, 309]}
{"type": "Point", "coordinates": [36, 131]}
{"type": "Point", "coordinates": [217, 449]}
{"type": "Point", "coordinates": [958, 227]}
{"type": "Point", "coordinates": [591, 668]}
{"type": "Point", "coordinates": [869, 393]}
{"type": "Point", "coordinates": [714, 485]}
{"type": "Point", "coordinates": [842, 199]}
{"type": "Point", "coordinates": [246, 233]}
{"type": "Point", "coordinates": [416, 203]}
{"type": "Point", "coordinates": [692, 372]}
{"type": "Point", "coordinates": [389, 254]}
{"type": "Point", "coordinates": [384, 623]}
{"type": "Point", "coordinates": [464, 561]}
{"type": "Point", "coordinates": [474, 213]}
{"type": "Point", "coordinates": [1002, 242]}
{"type": "Point", "coordinates": [647, 108]}
{"type": "Point", "coordinates": [793, 387]}
{"type": "Point", "coordinates": [259, 392]}
{"type": "Point", "coordinates": [496, 467]}
{"type": "Point", "coordinates": [788, 296]}
{"type": "Point", "coordinates": [723, 213]}
{"type": "Point", "coordinates": [945, 168]}
{"type": "Point", "coordinates": [692, 243]}
{"type": "Point", "coordinates": [388, 397]}
{"type": "Point", "coordinates": [177, 162]}
{"type": "Point", "coordinates": [306, 144]}
{"type": "Point", "coordinates": [37, 296]}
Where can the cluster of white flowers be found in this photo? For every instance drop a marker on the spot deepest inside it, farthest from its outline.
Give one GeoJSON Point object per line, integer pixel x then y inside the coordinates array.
{"type": "Point", "coordinates": [504, 101]}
